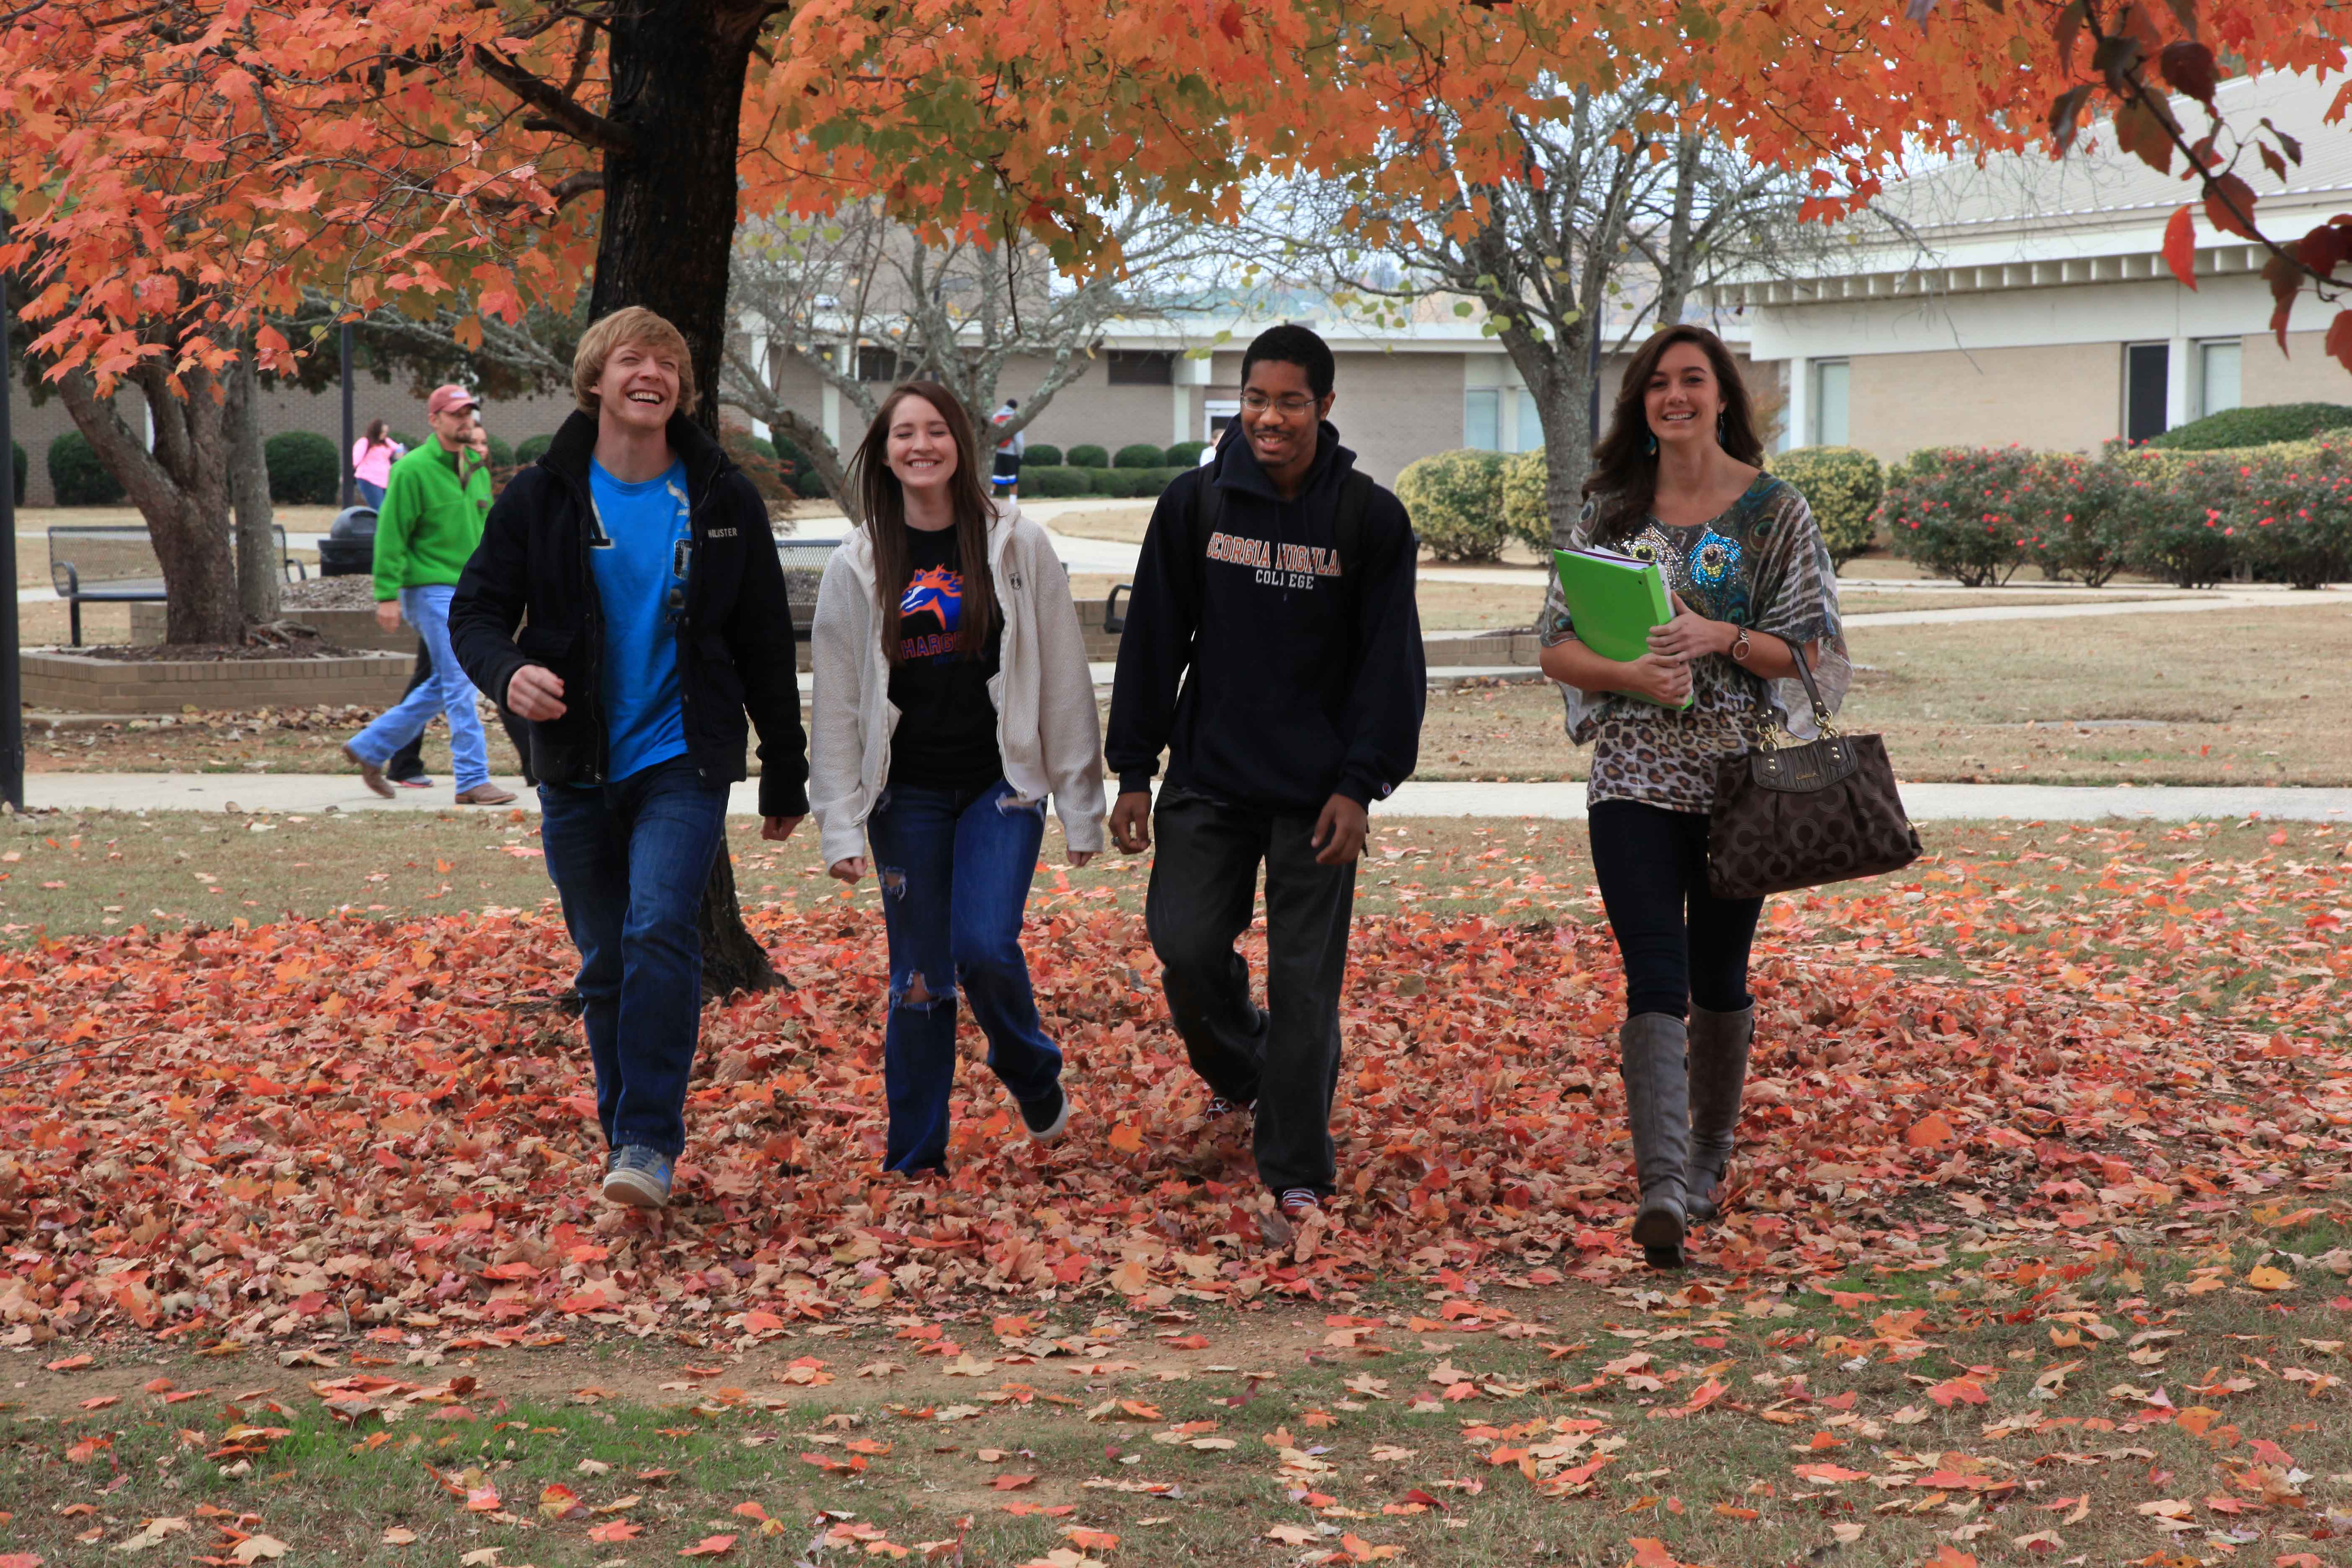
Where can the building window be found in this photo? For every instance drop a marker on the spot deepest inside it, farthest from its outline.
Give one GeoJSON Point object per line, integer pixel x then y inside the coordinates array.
{"type": "Point", "coordinates": [1831, 378]}
{"type": "Point", "coordinates": [2217, 376]}
{"type": "Point", "coordinates": [1142, 367]}
{"type": "Point", "coordinates": [877, 363]}
{"type": "Point", "coordinates": [2146, 368]}
{"type": "Point", "coordinates": [1482, 419]}
{"type": "Point", "coordinates": [1530, 422]}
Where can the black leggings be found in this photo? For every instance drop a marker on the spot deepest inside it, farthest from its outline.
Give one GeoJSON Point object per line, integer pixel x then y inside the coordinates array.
{"type": "Point", "coordinates": [1651, 863]}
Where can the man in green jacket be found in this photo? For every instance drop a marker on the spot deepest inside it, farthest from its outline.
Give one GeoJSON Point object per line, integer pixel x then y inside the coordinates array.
{"type": "Point", "coordinates": [425, 532]}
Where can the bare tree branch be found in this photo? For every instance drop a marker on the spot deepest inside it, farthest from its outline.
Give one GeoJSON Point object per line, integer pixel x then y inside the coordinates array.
{"type": "Point", "coordinates": [565, 112]}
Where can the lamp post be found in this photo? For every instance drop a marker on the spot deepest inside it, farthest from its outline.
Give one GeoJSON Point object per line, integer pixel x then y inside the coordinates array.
{"type": "Point", "coordinates": [343, 352]}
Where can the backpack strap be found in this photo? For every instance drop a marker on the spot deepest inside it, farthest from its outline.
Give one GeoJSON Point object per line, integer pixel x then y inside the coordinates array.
{"type": "Point", "coordinates": [1207, 509]}
{"type": "Point", "coordinates": [1355, 505]}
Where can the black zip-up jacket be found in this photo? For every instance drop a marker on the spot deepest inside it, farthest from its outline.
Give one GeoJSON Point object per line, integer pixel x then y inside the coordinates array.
{"type": "Point", "coordinates": [734, 639]}
{"type": "Point", "coordinates": [1289, 694]}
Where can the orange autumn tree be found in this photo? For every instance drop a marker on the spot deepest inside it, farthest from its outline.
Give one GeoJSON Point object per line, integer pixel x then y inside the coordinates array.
{"type": "Point", "coordinates": [181, 171]}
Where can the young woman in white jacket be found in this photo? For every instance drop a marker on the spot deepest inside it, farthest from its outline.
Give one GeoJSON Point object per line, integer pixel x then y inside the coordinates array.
{"type": "Point", "coordinates": [953, 697]}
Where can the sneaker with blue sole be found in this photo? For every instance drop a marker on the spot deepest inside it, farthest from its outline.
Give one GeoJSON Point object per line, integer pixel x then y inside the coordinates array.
{"type": "Point", "coordinates": [637, 1178]}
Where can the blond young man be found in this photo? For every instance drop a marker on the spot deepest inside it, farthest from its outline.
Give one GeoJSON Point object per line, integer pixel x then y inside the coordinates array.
{"type": "Point", "coordinates": [657, 619]}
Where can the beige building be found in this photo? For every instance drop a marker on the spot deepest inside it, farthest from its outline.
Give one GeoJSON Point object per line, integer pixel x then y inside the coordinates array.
{"type": "Point", "coordinates": [1404, 392]}
{"type": "Point", "coordinates": [2031, 303]}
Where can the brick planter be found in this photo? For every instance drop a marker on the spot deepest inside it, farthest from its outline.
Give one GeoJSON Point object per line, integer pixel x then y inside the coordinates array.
{"type": "Point", "coordinates": [1451, 651]}
{"type": "Point", "coordinates": [72, 683]}
{"type": "Point", "coordinates": [354, 629]}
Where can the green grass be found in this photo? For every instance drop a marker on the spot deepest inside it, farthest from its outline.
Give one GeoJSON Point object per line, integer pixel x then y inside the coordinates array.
{"type": "Point", "coordinates": [1848, 1362]}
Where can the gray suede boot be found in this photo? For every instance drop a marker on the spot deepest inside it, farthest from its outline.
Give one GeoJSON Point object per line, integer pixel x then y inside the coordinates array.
{"type": "Point", "coordinates": [1718, 1071]}
{"type": "Point", "coordinates": [1653, 1059]}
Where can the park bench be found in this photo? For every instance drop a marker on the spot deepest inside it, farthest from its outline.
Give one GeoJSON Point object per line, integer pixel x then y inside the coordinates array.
{"type": "Point", "coordinates": [115, 564]}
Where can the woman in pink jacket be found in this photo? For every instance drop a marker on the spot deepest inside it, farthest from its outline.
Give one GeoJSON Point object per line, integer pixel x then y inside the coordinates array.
{"type": "Point", "coordinates": [372, 456]}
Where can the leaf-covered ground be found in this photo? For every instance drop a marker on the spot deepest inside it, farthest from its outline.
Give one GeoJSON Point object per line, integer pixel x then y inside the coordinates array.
{"type": "Point", "coordinates": [2020, 1110]}
{"type": "Point", "coordinates": [236, 1131]}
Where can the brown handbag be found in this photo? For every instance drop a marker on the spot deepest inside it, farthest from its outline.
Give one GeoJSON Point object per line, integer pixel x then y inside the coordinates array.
{"type": "Point", "coordinates": [1797, 814]}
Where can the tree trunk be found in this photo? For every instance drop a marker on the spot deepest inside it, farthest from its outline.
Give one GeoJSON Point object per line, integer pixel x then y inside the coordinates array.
{"type": "Point", "coordinates": [260, 572]}
{"type": "Point", "coordinates": [678, 71]}
{"type": "Point", "coordinates": [181, 489]}
{"type": "Point", "coordinates": [732, 958]}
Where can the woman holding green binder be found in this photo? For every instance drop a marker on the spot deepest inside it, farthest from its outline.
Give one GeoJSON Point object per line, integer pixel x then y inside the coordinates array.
{"type": "Point", "coordinates": [1678, 483]}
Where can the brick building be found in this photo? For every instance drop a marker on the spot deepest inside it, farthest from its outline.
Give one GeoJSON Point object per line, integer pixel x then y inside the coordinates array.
{"type": "Point", "coordinates": [2035, 306]}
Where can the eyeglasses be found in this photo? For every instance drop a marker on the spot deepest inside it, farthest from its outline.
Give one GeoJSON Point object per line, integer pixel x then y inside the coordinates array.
{"type": "Point", "coordinates": [1290, 403]}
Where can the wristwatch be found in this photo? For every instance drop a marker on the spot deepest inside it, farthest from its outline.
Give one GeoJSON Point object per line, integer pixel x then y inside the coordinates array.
{"type": "Point", "coordinates": [1739, 646]}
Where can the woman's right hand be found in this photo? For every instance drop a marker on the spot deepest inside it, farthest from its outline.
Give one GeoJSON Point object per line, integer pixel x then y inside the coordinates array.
{"type": "Point", "coordinates": [1661, 678]}
{"type": "Point", "coordinates": [847, 870]}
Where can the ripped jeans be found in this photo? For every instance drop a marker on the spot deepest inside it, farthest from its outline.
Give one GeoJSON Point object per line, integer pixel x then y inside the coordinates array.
{"type": "Point", "coordinates": [955, 867]}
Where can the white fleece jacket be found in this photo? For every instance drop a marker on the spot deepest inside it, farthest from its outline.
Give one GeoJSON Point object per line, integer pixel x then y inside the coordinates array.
{"type": "Point", "coordinates": [1047, 729]}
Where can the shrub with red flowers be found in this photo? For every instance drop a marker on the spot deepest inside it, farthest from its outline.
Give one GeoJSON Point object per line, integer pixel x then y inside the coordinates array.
{"type": "Point", "coordinates": [2291, 519]}
{"type": "Point", "coordinates": [2076, 527]}
{"type": "Point", "coordinates": [2173, 513]}
{"type": "Point", "coordinates": [1959, 511]}
{"type": "Point", "coordinates": [2281, 513]}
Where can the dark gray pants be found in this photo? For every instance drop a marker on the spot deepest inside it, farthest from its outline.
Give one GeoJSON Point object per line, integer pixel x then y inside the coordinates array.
{"type": "Point", "coordinates": [1204, 891]}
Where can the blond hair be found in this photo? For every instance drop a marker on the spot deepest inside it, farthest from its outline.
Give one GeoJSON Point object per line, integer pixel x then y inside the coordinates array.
{"type": "Point", "coordinates": [630, 324]}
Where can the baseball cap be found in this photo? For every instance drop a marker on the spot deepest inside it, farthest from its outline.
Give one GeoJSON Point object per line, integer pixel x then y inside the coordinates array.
{"type": "Point", "coordinates": [450, 398]}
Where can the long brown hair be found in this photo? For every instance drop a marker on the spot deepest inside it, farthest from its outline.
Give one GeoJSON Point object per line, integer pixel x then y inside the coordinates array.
{"type": "Point", "coordinates": [885, 505]}
{"type": "Point", "coordinates": [375, 434]}
{"type": "Point", "coordinates": [1625, 463]}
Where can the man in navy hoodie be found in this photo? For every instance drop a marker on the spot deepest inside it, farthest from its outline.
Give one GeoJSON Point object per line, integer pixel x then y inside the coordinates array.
{"type": "Point", "coordinates": [1273, 649]}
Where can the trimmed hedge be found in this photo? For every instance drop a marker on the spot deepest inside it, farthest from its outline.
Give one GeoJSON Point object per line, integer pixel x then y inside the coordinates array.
{"type": "Point", "coordinates": [1043, 455]}
{"type": "Point", "coordinates": [1843, 487]}
{"type": "Point", "coordinates": [1053, 481]}
{"type": "Point", "coordinates": [77, 477]}
{"type": "Point", "coordinates": [17, 467]}
{"type": "Point", "coordinates": [1140, 455]}
{"type": "Point", "coordinates": [809, 485]}
{"type": "Point", "coordinates": [755, 457]}
{"type": "Point", "coordinates": [1455, 500]}
{"type": "Point", "coordinates": [2237, 428]}
{"type": "Point", "coordinates": [532, 448]}
{"type": "Point", "coordinates": [1526, 518]}
{"type": "Point", "coordinates": [304, 468]}
{"type": "Point", "coordinates": [1186, 453]}
{"type": "Point", "coordinates": [1089, 458]}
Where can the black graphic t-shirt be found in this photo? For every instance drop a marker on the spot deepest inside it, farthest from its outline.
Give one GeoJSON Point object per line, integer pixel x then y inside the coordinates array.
{"type": "Point", "coordinates": [946, 737]}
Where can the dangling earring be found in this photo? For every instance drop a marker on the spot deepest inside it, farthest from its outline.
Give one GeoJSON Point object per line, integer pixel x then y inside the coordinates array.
{"type": "Point", "coordinates": [1719, 429]}
{"type": "Point", "coordinates": [1650, 446]}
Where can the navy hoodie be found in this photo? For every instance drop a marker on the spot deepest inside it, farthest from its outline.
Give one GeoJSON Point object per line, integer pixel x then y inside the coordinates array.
{"type": "Point", "coordinates": [1286, 698]}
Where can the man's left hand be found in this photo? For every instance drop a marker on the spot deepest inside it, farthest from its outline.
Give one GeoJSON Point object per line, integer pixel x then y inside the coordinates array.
{"type": "Point", "coordinates": [387, 614]}
{"type": "Point", "coordinates": [1339, 832]}
{"type": "Point", "coordinates": [778, 829]}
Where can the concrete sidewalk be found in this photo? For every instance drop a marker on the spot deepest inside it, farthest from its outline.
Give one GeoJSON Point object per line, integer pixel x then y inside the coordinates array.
{"type": "Point", "coordinates": [318, 792]}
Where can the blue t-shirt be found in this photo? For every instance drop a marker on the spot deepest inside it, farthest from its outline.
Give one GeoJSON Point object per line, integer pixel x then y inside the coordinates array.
{"type": "Point", "coordinates": [638, 547]}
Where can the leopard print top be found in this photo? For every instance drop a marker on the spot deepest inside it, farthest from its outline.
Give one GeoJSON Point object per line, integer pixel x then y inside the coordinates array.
{"type": "Point", "coordinates": [1762, 564]}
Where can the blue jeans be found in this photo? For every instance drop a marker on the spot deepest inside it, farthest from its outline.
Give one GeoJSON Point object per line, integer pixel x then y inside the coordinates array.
{"type": "Point", "coordinates": [630, 859]}
{"type": "Point", "coordinates": [371, 496]}
{"type": "Point", "coordinates": [955, 867]}
{"type": "Point", "coordinates": [447, 691]}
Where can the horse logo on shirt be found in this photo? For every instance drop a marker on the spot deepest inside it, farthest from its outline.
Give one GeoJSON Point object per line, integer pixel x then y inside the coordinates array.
{"type": "Point", "coordinates": [938, 589]}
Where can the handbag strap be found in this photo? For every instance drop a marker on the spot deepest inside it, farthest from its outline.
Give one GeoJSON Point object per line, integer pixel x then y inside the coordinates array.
{"type": "Point", "coordinates": [1822, 719]}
